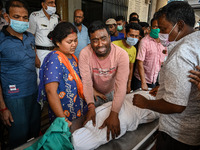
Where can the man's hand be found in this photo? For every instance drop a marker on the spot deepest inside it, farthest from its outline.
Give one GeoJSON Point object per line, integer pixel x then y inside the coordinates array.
{"type": "Point", "coordinates": [128, 88]}
{"type": "Point", "coordinates": [98, 94]}
{"type": "Point", "coordinates": [195, 77]}
{"type": "Point", "coordinates": [37, 62]}
{"type": "Point", "coordinates": [144, 86]}
{"type": "Point", "coordinates": [91, 115]}
{"type": "Point", "coordinates": [6, 117]}
{"type": "Point", "coordinates": [140, 101]}
{"type": "Point", "coordinates": [154, 91]}
{"type": "Point", "coordinates": [113, 125]}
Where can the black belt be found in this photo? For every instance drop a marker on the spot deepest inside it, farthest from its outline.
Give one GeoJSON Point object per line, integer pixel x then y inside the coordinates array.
{"type": "Point", "coordinates": [45, 48]}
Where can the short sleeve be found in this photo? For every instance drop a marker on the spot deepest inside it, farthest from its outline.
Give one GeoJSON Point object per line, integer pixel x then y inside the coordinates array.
{"type": "Point", "coordinates": [175, 73]}
{"type": "Point", "coordinates": [142, 50]}
{"type": "Point", "coordinates": [32, 24]}
{"type": "Point", "coordinates": [53, 70]}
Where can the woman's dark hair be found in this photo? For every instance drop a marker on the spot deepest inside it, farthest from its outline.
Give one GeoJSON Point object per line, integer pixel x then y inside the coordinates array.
{"type": "Point", "coordinates": [61, 31]}
{"type": "Point", "coordinates": [97, 25]}
{"type": "Point", "coordinates": [16, 3]}
{"type": "Point", "coordinates": [176, 11]}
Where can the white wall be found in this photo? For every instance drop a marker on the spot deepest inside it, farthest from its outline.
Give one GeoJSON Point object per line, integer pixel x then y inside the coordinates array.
{"type": "Point", "coordinates": [140, 7]}
{"type": "Point", "coordinates": [72, 6]}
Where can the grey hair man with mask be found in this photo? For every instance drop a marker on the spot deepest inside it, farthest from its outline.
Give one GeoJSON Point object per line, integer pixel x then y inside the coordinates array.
{"type": "Point", "coordinates": [41, 23]}
{"type": "Point", "coordinates": [178, 100]}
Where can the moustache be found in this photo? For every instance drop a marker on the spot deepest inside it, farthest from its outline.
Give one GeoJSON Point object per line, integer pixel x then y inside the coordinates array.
{"type": "Point", "coordinates": [101, 47]}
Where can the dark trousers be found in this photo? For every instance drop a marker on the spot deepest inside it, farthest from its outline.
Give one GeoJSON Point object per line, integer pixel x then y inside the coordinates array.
{"type": "Point", "coordinates": [166, 142]}
{"type": "Point", "coordinates": [26, 114]}
{"type": "Point", "coordinates": [136, 84]}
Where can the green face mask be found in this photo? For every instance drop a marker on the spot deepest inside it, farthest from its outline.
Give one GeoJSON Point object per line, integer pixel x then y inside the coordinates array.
{"type": "Point", "coordinates": [154, 33]}
{"type": "Point", "coordinates": [119, 27]}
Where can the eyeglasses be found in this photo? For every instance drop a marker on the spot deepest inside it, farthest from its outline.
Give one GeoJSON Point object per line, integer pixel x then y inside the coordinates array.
{"type": "Point", "coordinates": [80, 17]}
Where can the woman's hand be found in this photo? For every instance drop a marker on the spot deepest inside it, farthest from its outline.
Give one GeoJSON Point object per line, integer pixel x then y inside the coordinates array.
{"type": "Point", "coordinates": [69, 122]}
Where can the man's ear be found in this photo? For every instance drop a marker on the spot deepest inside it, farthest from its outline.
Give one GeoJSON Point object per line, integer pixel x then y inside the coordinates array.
{"type": "Point", "coordinates": [181, 25]}
{"type": "Point", "coordinates": [42, 4]}
{"type": "Point", "coordinates": [6, 17]}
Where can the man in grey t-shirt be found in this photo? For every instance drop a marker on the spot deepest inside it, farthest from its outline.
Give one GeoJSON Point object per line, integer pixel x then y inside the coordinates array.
{"type": "Point", "coordinates": [178, 100]}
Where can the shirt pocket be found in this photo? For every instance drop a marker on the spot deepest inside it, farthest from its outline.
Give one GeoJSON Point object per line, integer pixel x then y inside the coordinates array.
{"type": "Point", "coordinates": [43, 26]}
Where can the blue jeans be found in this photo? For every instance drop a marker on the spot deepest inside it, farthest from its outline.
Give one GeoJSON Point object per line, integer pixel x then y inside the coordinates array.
{"type": "Point", "coordinates": [26, 114]}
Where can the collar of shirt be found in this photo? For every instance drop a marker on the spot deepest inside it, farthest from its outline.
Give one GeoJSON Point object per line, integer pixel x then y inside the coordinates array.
{"type": "Point", "coordinates": [83, 27]}
{"type": "Point", "coordinates": [8, 34]}
{"type": "Point", "coordinates": [152, 38]}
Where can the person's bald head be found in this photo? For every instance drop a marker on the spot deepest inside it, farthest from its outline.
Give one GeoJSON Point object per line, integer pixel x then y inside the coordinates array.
{"type": "Point", "coordinates": [78, 17]}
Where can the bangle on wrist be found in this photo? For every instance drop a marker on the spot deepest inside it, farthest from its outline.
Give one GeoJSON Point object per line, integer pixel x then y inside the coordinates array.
{"type": "Point", "coordinates": [91, 105]}
{"type": "Point", "coordinates": [2, 110]}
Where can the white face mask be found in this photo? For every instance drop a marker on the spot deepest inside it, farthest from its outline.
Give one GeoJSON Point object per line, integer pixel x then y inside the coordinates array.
{"type": "Point", "coordinates": [50, 10]}
{"type": "Point", "coordinates": [164, 38]}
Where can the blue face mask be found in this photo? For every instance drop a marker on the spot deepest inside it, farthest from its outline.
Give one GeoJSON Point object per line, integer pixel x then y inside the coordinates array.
{"type": "Point", "coordinates": [19, 26]}
{"type": "Point", "coordinates": [131, 41]}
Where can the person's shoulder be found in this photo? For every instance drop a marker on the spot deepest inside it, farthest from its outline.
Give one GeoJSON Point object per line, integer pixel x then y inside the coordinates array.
{"type": "Point", "coordinates": [2, 35]}
{"type": "Point", "coordinates": [52, 56]}
{"type": "Point", "coordinates": [188, 45]}
{"type": "Point", "coordinates": [86, 51]}
{"type": "Point", "coordinates": [117, 49]}
{"type": "Point", "coordinates": [133, 48]}
{"type": "Point", "coordinates": [35, 14]}
{"type": "Point", "coordinates": [145, 40]}
{"type": "Point", "coordinates": [55, 16]}
{"type": "Point", "coordinates": [117, 42]}
{"type": "Point", "coordinates": [84, 28]}
{"type": "Point", "coordinates": [147, 37]}
{"type": "Point", "coordinates": [29, 34]}
{"type": "Point", "coordinates": [121, 34]}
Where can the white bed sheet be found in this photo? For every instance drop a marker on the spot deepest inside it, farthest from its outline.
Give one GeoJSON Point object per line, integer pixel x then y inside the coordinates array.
{"type": "Point", "coordinates": [90, 137]}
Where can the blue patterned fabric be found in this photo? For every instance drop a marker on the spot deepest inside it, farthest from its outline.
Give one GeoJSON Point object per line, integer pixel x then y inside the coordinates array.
{"type": "Point", "coordinates": [53, 70]}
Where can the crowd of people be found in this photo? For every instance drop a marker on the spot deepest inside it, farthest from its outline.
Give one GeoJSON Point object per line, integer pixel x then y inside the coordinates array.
{"type": "Point", "coordinates": [76, 69]}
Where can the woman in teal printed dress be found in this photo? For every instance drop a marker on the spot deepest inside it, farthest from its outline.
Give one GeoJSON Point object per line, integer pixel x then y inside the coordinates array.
{"type": "Point", "coordinates": [60, 82]}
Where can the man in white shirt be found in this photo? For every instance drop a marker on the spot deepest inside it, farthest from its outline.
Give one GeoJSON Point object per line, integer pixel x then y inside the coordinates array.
{"type": "Point", "coordinates": [40, 24]}
{"type": "Point", "coordinates": [177, 100]}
